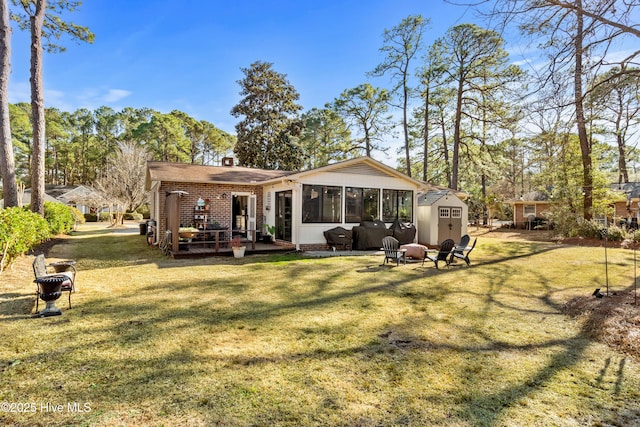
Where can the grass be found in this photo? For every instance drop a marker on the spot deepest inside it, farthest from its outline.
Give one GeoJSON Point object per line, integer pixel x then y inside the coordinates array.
{"type": "Point", "coordinates": [289, 341]}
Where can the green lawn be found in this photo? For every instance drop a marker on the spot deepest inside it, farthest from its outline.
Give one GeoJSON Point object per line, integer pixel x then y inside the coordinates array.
{"type": "Point", "coordinates": [290, 341]}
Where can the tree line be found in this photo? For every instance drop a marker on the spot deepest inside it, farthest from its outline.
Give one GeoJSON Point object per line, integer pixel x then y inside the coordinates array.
{"type": "Point", "coordinates": [467, 117]}
{"type": "Point", "coordinates": [79, 144]}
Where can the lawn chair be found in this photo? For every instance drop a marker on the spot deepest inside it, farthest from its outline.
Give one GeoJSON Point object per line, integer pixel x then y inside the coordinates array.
{"type": "Point", "coordinates": [464, 253]}
{"type": "Point", "coordinates": [63, 268]}
{"type": "Point", "coordinates": [444, 253]}
{"type": "Point", "coordinates": [460, 247]}
{"type": "Point", "coordinates": [392, 252]}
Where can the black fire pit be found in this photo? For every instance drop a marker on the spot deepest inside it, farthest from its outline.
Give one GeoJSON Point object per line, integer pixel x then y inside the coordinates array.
{"type": "Point", "coordinates": [49, 290]}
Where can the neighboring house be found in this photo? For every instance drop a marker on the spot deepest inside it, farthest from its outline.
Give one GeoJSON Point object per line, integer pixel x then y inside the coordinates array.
{"type": "Point", "coordinates": [26, 198]}
{"type": "Point", "coordinates": [537, 205]}
{"type": "Point", "coordinates": [529, 206]}
{"type": "Point", "coordinates": [77, 196]}
{"type": "Point", "coordinates": [441, 215]}
{"type": "Point", "coordinates": [301, 205]}
{"type": "Point", "coordinates": [70, 195]}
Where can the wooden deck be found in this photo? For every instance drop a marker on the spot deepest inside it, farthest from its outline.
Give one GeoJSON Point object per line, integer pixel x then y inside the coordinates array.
{"type": "Point", "coordinates": [198, 250]}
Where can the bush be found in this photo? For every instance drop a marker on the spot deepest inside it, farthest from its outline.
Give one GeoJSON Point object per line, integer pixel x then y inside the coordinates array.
{"type": "Point", "coordinates": [20, 231]}
{"type": "Point", "coordinates": [104, 216]}
{"type": "Point", "coordinates": [133, 216]}
{"type": "Point", "coordinates": [61, 218]}
{"type": "Point", "coordinates": [565, 222]}
{"type": "Point", "coordinates": [90, 217]}
{"type": "Point", "coordinates": [77, 215]}
{"type": "Point", "coordinates": [590, 229]}
{"type": "Point", "coordinates": [616, 234]}
{"type": "Point", "coordinates": [635, 236]}
{"type": "Point", "coordinates": [145, 210]}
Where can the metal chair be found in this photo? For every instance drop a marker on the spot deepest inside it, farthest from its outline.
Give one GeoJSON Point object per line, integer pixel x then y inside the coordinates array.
{"type": "Point", "coordinates": [392, 252]}
{"type": "Point", "coordinates": [63, 268]}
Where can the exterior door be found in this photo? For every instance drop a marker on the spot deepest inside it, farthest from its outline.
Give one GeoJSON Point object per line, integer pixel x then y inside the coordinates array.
{"type": "Point", "coordinates": [172, 212]}
{"type": "Point", "coordinates": [449, 223]}
{"type": "Point", "coordinates": [240, 214]}
{"type": "Point", "coordinates": [284, 215]}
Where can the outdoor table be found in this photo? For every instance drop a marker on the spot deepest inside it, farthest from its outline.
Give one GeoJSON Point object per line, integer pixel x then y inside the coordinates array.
{"type": "Point", "coordinates": [62, 266]}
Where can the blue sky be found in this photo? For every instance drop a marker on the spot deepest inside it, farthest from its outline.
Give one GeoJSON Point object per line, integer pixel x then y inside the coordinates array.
{"type": "Point", "coordinates": [169, 54]}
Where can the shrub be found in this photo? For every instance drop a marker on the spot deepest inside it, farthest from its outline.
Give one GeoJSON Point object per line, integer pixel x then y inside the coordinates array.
{"type": "Point", "coordinates": [60, 217]}
{"type": "Point", "coordinates": [20, 231]}
{"type": "Point", "coordinates": [565, 222]}
{"type": "Point", "coordinates": [615, 233]}
{"type": "Point", "coordinates": [133, 216]}
{"type": "Point", "coordinates": [90, 217]}
{"type": "Point", "coordinates": [77, 215]}
{"type": "Point", "coordinates": [104, 216]}
{"type": "Point", "coordinates": [635, 236]}
{"type": "Point", "coordinates": [145, 210]}
{"type": "Point", "coordinates": [589, 229]}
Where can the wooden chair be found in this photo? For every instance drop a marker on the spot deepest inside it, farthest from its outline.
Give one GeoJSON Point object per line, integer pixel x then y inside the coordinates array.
{"type": "Point", "coordinates": [64, 268]}
{"type": "Point", "coordinates": [392, 252]}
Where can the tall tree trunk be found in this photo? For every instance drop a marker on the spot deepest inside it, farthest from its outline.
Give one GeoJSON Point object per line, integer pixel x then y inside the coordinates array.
{"type": "Point", "coordinates": [425, 158]}
{"type": "Point", "coordinates": [405, 127]}
{"type": "Point", "coordinates": [7, 163]}
{"type": "Point", "coordinates": [456, 135]}
{"type": "Point", "coordinates": [445, 147]}
{"type": "Point", "coordinates": [37, 109]}
{"type": "Point", "coordinates": [623, 174]}
{"type": "Point", "coordinates": [585, 146]}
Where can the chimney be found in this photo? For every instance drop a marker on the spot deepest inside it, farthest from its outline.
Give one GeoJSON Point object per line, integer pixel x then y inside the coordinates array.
{"type": "Point", "coordinates": [227, 161]}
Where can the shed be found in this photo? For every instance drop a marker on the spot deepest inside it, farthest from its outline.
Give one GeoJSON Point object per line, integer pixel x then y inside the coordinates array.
{"type": "Point", "coordinates": [441, 215]}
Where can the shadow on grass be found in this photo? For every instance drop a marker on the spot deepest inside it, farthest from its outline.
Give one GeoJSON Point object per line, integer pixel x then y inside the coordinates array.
{"type": "Point", "coordinates": [129, 324]}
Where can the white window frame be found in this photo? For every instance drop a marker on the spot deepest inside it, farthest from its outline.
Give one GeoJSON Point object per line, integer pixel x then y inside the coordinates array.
{"type": "Point", "coordinates": [525, 214]}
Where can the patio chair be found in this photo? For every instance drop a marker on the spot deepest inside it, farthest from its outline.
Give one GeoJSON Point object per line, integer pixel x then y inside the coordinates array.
{"type": "Point", "coordinates": [392, 252]}
{"type": "Point", "coordinates": [444, 253]}
{"type": "Point", "coordinates": [460, 247]}
{"type": "Point", "coordinates": [464, 253]}
{"type": "Point", "coordinates": [63, 268]}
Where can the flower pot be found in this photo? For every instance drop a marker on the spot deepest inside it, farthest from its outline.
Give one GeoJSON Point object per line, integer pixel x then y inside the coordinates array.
{"type": "Point", "coordinates": [238, 251]}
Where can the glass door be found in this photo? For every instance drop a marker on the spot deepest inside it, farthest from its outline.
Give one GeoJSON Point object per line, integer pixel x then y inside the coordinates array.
{"type": "Point", "coordinates": [284, 215]}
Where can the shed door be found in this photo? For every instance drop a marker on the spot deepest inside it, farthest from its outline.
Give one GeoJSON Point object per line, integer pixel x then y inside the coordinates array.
{"type": "Point", "coordinates": [449, 223]}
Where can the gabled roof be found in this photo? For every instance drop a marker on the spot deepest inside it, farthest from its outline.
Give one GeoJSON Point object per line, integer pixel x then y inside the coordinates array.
{"type": "Point", "coordinates": [75, 194]}
{"type": "Point", "coordinates": [26, 198]}
{"type": "Point", "coordinates": [184, 172]}
{"type": "Point", "coordinates": [358, 166]}
{"type": "Point", "coordinates": [533, 197]}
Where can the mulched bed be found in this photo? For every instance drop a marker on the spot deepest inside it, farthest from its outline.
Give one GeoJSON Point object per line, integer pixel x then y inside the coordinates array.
{"type": "Point", "coordinates": [613, 319]}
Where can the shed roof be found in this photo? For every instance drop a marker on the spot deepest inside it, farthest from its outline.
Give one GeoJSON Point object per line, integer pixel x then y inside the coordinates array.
{"type": "Point", "coordinates": [431, 197]}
